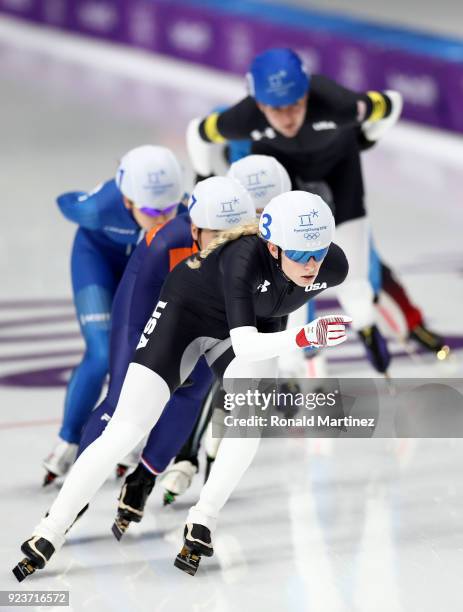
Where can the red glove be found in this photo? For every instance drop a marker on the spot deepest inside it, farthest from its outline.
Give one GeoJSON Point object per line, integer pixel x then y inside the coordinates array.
{"type": "Point", "coordinates": [323, 331]}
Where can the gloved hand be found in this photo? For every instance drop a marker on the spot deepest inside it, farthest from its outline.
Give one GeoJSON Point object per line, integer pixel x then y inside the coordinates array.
{"type": "Point", "coordinates": [323, 331]}
{"type": "Point", "coordinates": [374, 130]}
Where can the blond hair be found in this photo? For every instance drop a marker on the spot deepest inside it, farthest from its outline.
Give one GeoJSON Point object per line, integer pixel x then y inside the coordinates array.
{"type": "Point", "coordinates": [247, 229]}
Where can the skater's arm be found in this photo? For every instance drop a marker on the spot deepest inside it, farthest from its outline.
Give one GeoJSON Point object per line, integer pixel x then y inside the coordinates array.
{"type": "Point", "coordinates": [351, 107]}
{"type": "Point", "coordinates": [240, 273]}
{"type": "Point", "coordinates": [235, 123]}
{"type": "Point", "coordinates": [251, 345]}
{"type": "Point", "coordinates": [85, 208]}
{"type": "Point", "coordinates": [374, 128]}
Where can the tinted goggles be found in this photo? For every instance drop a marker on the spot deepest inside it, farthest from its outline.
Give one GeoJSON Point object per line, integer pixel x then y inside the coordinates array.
{"type": "Point", "coordinates": [305, 256]}
{"type": "Point", "coordinates": [155, 212]}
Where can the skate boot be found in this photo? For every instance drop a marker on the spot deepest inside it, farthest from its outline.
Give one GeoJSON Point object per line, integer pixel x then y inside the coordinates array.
{"type": "Point", "coordinates": [177, 479]}
{"type": "Point", "coordinates": [59, 461]}
{"type": "Point", "coordinates": [135, 491]}
{"type": "Point", "coordinates": [38, 552]}
{"type": "Point", "coordinates": [430, 341]}
{"type": "Point", "coordinates": [377, 352]}
{"type": "Point", "coordinates": [196, 542]}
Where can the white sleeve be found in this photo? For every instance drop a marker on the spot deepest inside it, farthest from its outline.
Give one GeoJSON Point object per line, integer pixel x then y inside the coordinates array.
{"type": "Point", "coordinates": [251, 345]}
{"type": "Point", "coordinates": [374, 130]}
{"type": "Point", "coordinates": [200, 151]}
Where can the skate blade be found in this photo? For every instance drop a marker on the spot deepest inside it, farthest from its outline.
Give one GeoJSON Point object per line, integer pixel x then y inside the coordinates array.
{"type": "Point", "coordinates": [49, 478]}
{"type": "Point", "coordinates": [390, 385]}
{"type": "Point", "coordinates": [119, 527]}
{"type": "Point", "coordinates": [187, 561]}
{"type": "Point", "coordinates": [23, 570]}
{"type": "Point", "coordinates": [168, 498]}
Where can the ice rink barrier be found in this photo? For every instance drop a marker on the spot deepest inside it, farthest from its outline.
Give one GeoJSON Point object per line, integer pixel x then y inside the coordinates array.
{"type": "Point", "coordinates": [427, 69]}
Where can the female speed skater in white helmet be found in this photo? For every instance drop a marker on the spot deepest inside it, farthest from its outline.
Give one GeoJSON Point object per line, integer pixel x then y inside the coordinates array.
{"type": "Point", "coordinates": [137, 291]}
{"type": "Point", "coordinates": [227, 304]}
{"type": "Point", "coordinates": [264, 178]}
{"type": "Point", "coordinates": [111, 219]}
{"type": "Point", "coordinates": [140, 287]}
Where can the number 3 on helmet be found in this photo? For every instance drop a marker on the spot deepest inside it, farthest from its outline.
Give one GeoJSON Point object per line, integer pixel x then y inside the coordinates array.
{"type": "Point", "coordinates": [266, 220]}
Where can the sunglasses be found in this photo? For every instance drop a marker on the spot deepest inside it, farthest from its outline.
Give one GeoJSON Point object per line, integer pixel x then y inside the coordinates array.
{"type": "Point", "coordinates": [155, 212]}
{"type": "Point", "coordinates": [305, 256]}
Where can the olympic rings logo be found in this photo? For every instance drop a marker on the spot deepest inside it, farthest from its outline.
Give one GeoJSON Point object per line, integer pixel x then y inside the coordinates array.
{"type": "Point", "coordinates": [232, 219]}
{"type": "Point", "coordinates": [311, 235]}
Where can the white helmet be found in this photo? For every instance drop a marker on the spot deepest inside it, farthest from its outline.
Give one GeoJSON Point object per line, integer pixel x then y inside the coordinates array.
{"type": "Point", "coordinates": [152, 178]}
{"type": "Point", "coordinates": [297, 221]}
{"type": "Point", "coordinates": [263, 176]}
{"type": "Point", "coordinates": [220, 203]}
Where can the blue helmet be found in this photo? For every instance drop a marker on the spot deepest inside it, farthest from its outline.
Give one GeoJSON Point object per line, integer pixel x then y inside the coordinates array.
{"type": "Point", "coordinates": [277, 77]}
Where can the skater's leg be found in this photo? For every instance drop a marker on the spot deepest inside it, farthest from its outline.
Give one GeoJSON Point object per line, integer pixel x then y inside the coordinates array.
{"type": "Point", "coordinates": [179, 475]}
{"type": "Point", "coordinates": [396, 291]}
{"type": "Point", "coordinates": [95, 274]}
{"type": "Point", "coordinates": [176, 424]}
{"type": "Point", "coordinates": [234, 455]}
{"type": "Point", "coordinates": [164, 441]}
{"type": "Point", "coordinates": [87, 379]}
{"type": "Point", "coordinates": [352, 235]}
{"type": "Point", "coordinates": [190, 450]}
{"type": "Point", "coordinates": [95, 425]}
{"type": "Point", "coordinates": [151, 379]}
{"type": "Point", "coordinates": [356, 294]}
{"type": "Point", "coordinates": [142, 400]}
{"type": "Point", "coordinates": [375, 273]}
{"type": "Point", "coordinates": [126, 328]}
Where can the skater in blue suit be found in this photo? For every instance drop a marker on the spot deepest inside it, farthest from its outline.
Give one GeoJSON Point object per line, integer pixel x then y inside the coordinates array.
{"type": "Point", "coordinates": [112, 219]}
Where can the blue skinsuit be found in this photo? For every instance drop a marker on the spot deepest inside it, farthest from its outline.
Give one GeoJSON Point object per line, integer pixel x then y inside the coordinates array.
{"type": "Point", "coordinates": [103, 243]}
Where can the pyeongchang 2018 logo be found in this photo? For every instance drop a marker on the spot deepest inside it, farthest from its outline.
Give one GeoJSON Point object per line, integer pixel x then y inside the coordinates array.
{"type": "Point", "coordinates": [277, 84]}
{"type": "Point", "coordinates": [258, 184]}
{"type": "Point", "coordinates": [230, 212]}
{"type": "Point", "coordinates": [307, 227]}
{"type": "Point", "coordinates": [157, 183]}
{"type": "Point", "coordinates": [254, 179]}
